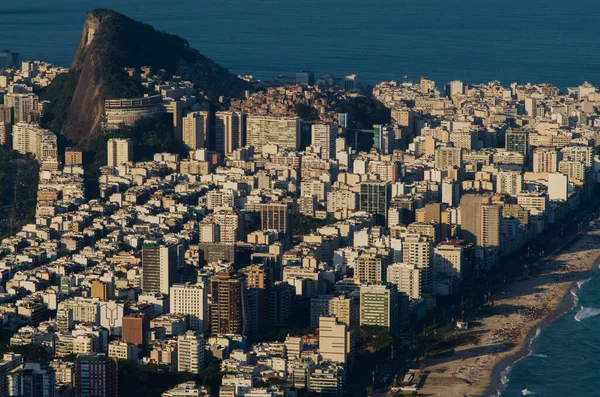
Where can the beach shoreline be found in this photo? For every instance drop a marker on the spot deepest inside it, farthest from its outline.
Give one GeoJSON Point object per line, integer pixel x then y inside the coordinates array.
{"type": "Point", "coordinates": [525, 349]}
{"type": "Point", "coordinates": [506, 331]}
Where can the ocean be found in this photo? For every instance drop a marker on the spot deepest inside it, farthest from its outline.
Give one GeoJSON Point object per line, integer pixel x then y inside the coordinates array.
{"type": "Point", "coordinates": [564, 353]}
{"type": "Point", "coordinates": [471, 40]}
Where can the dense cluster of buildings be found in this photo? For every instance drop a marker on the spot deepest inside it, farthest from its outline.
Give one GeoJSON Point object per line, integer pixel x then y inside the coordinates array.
{"type": "Point", "coordinates": [21, 109]}
{"type": "Point", "coordinates": [184, 260]}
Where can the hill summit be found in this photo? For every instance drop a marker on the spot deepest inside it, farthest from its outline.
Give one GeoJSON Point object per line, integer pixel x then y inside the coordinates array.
{"type": "Point", "coordinates": [111, 42]}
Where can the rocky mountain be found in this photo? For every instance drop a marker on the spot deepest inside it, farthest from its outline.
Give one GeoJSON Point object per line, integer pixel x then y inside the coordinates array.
{"type": "Point", "coordinates": [111, 42]}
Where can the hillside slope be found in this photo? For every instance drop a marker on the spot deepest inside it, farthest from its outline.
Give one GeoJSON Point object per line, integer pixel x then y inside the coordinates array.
{"type": "Point", "coordinates": [110, 42]}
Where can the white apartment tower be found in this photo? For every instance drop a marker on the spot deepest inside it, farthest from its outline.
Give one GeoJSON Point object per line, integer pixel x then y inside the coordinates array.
{"type": "Point", "coordinates": [558, 187]}
{"type": "Point", "coordinates": [450, 192]}
{"type": "Point", "coordinates": [190, 352]}
{"type": "Point", "coordinates": [119, 151]}
{"type": "Point", "coordinates": [545, 159]}
{"type": "Point", "coordinates": [418, 250]}
{"type": "Point", "coordinates": [191, 300]}
{"type": "Point", "coordinates": [281, 131]}
{"type": "Point", "coordinates": [323, 137]}
{"type": "Point", "coordinates": [509, 182]}
{"type": "Point", "coordinates": [448, 260]}
{"type": "Point", "coordinates": [336, 342]}
{"type": "Point", "coordinates": [407, 278]}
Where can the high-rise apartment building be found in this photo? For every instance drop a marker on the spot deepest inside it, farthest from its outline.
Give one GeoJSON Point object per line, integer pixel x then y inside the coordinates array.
{"type": "Point", "coordinates": [196, 129]}
{"type": "Point", "coordinates": [446, 157]}
{"type": "Point", "coordinates": [191, 300]}
{"type": "Point", "coordinates": [190, 352]}
{"type": "Point", "coordinates": [101, 290]}
{"type": "Point", "coordinates": [480, 221]}
{"type": "Point", "coordinates": [9, 362]}
{"type": "Point", "coordinates": [454, 88]}
{"type": "Point", "coordinates": [5, 133]}
{"type": "Point", "coordinates": [579, 153]}
{"type": "Point", "coordinates": [558, 187]}
{"type": "Point", "coordinates": [371, 267]}
{"type": "Point", "coordinates": [230, 226]}
{"type": "Point", "coordinates": [418, 250]}
{"type": "Point", "coordinates": [6, 114]}
{"type": "Point", "coordinates": [276, 216]}
{"type": "Point", "coordinates": [281, 131]}
{"type": "Point", "coordinates": [95, 375]}
{"type": "Point", "coordinates": [336, 341]}
{"type": "Point", "coordinates": [135, 329]}
{"type": "Point", "coordinates": [229, 305]}
{"type": "Point", "coordinates": [509, 182]}
{"type": "Point", "coordinates": [450, 192]}
{"type": "Point", "coordinates": [375, 198]}
{"type": "Point", "coordinates": [73, 156]}
{"type": "Point", "coordinates": [22, 105]}
{"type": "Point", "coordinates": [344, 308]}
{"type": "Point", "coordinates": [545, 159]}
{"type": "Point", "coordinates": [531, 107]}
{"type": "Point", "coordinates": [31, 138]}
{"type": "Point", "coordinates": [516, 142]}
{"type": "Point", "coordinates": [379, 305]}
{"type": "Point", "coordinates": [119, 151]}
{"type": "Point", "coordinates": [160, 263]}
{"type": "Point", "coordinates": [448, 260]}
{"type": "Point", "coordinates": [32, 380]}
{"type": "Point", "coordinates": [323, 136]}
{"type": "Point", "coordinates": [491, 219]}
{"type": "Point", "coordinates": [230, 131]}
{"type": "Point", "coordinates": [408, 279]}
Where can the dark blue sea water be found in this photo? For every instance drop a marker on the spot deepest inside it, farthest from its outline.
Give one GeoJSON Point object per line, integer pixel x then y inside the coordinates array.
{"type": "Point", "coordinates": [473, 40]}
{"type": "Point", "coordinates": [565, 355]}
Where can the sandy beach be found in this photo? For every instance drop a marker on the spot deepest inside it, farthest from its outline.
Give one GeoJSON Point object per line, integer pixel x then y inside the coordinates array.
{"type": "Point", "coordinates": [503, 332]}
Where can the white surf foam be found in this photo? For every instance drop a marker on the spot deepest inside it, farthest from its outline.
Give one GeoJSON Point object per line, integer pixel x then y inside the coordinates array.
{"type": "Point", "coordinates": [586, 312]}
{"type": "Point", "coordinates": [527, 392]}
{"type": "Point", "coordinates": [540, 355]}
{"type": "Point", "coordinates": [538, 331]}
{"type": "Point", "coordinates": [575, 297]}
{"type": "Point", "coordinates": [504, 375]}
{"type": "Point", "coordinates": [580, 283]}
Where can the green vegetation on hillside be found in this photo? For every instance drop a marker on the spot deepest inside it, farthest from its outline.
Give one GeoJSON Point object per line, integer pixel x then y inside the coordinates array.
{"type": "Point", "coordinates": [19, 176]}
{"type": "Point", "coordinates": [149, 136]}
{"type": "Point", "coordinates": [364, 112]}
{"type": "Point", "coordinates": [143, 46]}
{"type": "Point", "coordinates": [152, 380]}
{"type": "Point", "coordinates": [303, 225]}
{"type": "Point", "coordinates": [60, 94]}
{"type": "Point", "coordinates": [306, 113]}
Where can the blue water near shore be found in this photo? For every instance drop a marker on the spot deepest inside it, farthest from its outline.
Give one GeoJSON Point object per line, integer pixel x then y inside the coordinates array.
{"type": "Point", "coordinates": [472, 40]}
{"type": "Point", "coordinates": [564, 358]}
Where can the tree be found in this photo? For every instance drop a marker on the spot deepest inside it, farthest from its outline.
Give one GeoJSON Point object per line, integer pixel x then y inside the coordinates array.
{"type": "Point", "coordinates": [364, 112]}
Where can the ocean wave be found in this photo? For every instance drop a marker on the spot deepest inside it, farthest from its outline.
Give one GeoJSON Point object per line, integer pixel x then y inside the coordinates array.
{"type": "Point", "coordinates": [575, 297]}
{"type": "Point", "coordinates": [504, 375]}
{"type": "Point", "coordinates": [580, 283]}
{"type": "Point", "coordinates": [540, 355]}
{"type": "Point", "coordinates": [538, 331]}
{"type": "Point", "coordinates": [586, 312]}
{"type": "Point", "coordinates": [527, 392]}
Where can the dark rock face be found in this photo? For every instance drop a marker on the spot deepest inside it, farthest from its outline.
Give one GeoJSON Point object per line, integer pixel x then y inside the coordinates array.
{"type": "Point", "coordinates": [110, 42]}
